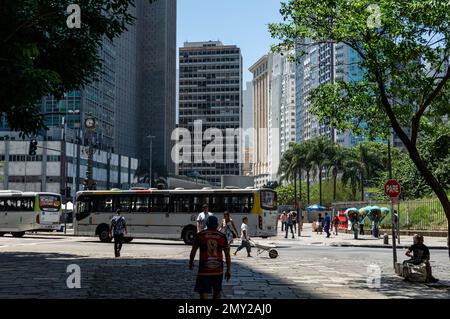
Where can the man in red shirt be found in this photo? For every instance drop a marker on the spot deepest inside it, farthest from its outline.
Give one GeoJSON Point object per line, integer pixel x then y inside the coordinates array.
{"type": "Point", "coordinates": [212, 244]}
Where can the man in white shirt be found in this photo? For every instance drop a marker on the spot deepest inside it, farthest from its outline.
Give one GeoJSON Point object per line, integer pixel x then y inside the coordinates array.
{"type": "Point", "coordinates": [244, 238]}
{"type": "Point", "coordinates": [202, 218]}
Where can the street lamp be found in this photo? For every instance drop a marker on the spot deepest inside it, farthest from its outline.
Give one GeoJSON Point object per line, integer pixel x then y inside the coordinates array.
{"type": "Point", "coordinates": [151, 137]}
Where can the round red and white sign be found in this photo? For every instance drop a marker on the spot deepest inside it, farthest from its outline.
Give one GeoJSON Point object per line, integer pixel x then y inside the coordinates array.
{"type": "Point", "coordinates": [392, 188]}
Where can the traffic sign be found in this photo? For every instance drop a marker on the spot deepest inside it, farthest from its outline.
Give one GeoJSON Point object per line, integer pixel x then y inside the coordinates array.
{"type": "Point", "coordinates": [392, 188]}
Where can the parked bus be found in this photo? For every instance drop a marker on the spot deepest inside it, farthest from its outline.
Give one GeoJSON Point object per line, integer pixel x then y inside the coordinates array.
{"type": "Point", "coordinates": [172, 214]}
{"type": "Point", "coordinates": [28, 211]}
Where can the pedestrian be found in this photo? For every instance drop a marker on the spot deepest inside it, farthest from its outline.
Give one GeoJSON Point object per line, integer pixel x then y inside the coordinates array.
{"type": "Point", "coordinates": [202, 218]}
{"type": "Point", "coordinates": [419, 254]}
{"type": "Point", "coordinates": [336, 224]}
{"type": "Point", "coordinates": [228, 228]}
{"type": "Point", "coordinates": [320, 224]}
{"type": "Point", "coordinates": [245, 238]}
{"type": "Point", "coordinates": [375, 227]}
{"type": "Point", "coordinates": [294, 220]}
{"type": "Point", "coordinates": [283, 220]}
{"type": "Point", "coordinates": [117, 229]}
{"type": "Point", "coordinates": [213, 244]}
{"type": "Point", "coordinates": [327, 224]}
{"type": "Point", "coordinates": [396, 228]}
{"type": "Point", "coordinates": [289, 225]}
{"type": "Point", "coordinates": [361, 226]}
{"type": "Point", "coordinates": [355, 229]}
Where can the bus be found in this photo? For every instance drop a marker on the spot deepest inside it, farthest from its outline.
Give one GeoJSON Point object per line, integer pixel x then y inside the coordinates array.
{"type": "Point", "coordinates": [28, 211]}
{"type": "Point", "coordinates": [172, 214]}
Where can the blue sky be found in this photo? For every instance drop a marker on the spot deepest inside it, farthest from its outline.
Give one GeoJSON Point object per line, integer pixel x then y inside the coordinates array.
{"type": "Point", "coordinates": [239, 22]}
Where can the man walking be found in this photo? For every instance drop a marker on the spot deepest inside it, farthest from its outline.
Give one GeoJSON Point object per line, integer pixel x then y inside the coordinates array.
{"type": "Point", "coordinates": [202, 218]}
{"type": "Point", "coordinates": [245, 238]}
{"type": "Point", "coordinates": [327, 224]}
{"type": "Point", "coordinates": [118, 227]}
{"type": "Point", "coordinates": [212, 244]}
{"type": "Point", "coordinates": [289, 225]}
{"type": "Point", "coordinates": [336, 224]}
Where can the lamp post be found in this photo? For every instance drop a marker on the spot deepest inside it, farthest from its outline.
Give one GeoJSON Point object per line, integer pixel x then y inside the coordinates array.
{"type": "Point", "coordinates": [151, 137]}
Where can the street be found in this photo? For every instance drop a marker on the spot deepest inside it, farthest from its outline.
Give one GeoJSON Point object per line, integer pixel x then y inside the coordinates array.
{"type": "Point", "coordinates": [35, 266]}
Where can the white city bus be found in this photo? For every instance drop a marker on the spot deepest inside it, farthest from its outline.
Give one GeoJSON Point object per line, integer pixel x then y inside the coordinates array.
{"type": "Point", "coordinates": [172, 214]}
{"type": "Point", "coordinates": [28, 211]}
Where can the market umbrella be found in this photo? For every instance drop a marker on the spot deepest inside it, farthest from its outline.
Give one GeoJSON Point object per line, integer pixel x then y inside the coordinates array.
{"type": "Point", "coordinates": [315, 207]}
{"type": "Point", "coordinates": [352, 214]}
{"type": "Point", "coordinates": [363, 212]}
{"type": "Point", "coordinates": [375, 213]}
{"type": "Point", "coordinates": [384, 212]}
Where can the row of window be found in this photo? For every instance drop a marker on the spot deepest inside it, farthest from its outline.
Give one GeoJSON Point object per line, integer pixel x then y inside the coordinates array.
{"type": "Point", "coordinates": [165, 203]}
{"type": "Point", "coordinates": [208, 52]}
{"type": "Point", "coordinates": [17, 205]}
{"type": "Point", "coordinates": [28, 158]}
{"type": "Point", "coordinates": [208, 67]}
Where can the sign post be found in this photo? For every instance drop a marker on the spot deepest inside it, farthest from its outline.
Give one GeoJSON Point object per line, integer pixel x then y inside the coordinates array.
{"type": "Point", "coordinates": [392, 189]}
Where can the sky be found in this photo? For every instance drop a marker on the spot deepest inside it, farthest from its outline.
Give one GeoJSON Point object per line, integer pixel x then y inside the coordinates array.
{"type": "Point", "coordinates": [234, 22]}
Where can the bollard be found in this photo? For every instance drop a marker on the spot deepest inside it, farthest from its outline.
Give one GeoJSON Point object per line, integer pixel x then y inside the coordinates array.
{"type": "Point", "coordinates": [386, 239]}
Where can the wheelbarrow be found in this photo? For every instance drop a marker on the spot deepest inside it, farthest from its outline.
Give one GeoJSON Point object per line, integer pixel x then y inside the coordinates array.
{"type": "Point", "coordinates": [273, 253]}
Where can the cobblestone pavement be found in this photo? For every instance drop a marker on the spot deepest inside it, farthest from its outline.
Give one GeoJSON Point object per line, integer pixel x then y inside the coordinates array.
{"type": "Point", "coordinates": [35, 267]}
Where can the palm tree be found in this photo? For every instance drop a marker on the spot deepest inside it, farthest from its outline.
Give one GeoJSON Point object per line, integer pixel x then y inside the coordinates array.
{"type": "Point", "coordinates": [370, 163]}
{"type": "Point", "coordinates": [351, 172]}
{"type": "Point", "coordinates": [337, 160]}
{"type": "Point", "coordinates": [322, 149]}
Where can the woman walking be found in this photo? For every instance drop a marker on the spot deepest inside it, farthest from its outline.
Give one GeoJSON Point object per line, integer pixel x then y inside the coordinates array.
{"type": "Point", "coordinates": [228, 227]}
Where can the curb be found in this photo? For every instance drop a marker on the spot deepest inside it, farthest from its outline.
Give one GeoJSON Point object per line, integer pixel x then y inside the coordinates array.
{"type": "Point", "coordinates": [385, 246]}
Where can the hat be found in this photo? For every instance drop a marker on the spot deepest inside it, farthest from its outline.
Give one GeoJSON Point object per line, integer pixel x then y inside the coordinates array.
{"type": "Point", "coordinates": [212, 222]}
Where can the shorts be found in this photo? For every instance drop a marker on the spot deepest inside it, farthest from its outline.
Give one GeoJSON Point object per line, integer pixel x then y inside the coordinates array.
{"type": "Point", "coordinates": [208, 284]}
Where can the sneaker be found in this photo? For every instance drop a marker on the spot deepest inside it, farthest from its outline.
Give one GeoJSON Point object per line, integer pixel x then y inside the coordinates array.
{"type": "Point", "coordinates": [293, 237]}
{"type": "Point", "coordinates": [285, 236]}
{"type": "Point", "coordinates": [235, 253]}
{"type": "Point", "coordinates": [249, 256]}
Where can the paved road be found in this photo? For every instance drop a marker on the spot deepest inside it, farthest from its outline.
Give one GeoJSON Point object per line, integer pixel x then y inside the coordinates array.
{"type": "Point", "coordinates": [35, 267]}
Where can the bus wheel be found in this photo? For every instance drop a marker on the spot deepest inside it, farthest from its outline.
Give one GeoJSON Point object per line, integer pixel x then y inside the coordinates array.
{"type": "Point", "coordinates": [18, 234]}
{"type": "Point", "coordinates": [103, 234]}
{"type": "Point", "coordinates": [188, 235]}
{"type": "Point", "coordinates": [273, 253]}
{"type": "Point", "coordinates": [2, 234]}
{"type": "Point", "coordinates": [127, 240]}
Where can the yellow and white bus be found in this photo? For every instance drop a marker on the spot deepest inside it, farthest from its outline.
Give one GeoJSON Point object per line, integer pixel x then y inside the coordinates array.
{"type": "Point", "coordinates": [172, 214]}
{"type": "Point", "coordinates": [28, 211]}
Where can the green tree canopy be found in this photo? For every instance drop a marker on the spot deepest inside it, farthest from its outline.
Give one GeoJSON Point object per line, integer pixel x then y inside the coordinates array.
{"type": "Point", "coordinates": [40, 55]}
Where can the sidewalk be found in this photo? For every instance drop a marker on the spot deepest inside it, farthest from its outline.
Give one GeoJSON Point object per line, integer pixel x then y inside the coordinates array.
{"type": "Point", "coordinates": [308, 237]}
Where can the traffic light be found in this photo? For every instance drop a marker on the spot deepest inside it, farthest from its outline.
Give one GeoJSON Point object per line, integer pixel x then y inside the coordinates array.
{"type": "Point", "coordinates": [33, 147]}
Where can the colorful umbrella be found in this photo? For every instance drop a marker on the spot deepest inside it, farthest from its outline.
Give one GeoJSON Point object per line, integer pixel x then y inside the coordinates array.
{"type": "Point", "coordinates": [352, 214]}
{"type": "Point", "coordinates": [384, 212]}
{"type": "Point", "coordinates": [375, 213]}
{"type": "Point", "coordinates": [363, 212]}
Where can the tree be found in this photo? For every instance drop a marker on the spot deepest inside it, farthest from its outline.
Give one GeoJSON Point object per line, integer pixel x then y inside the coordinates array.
{"type": "Point", "coordinates": [404, 49]}
{"type": "Point", "coordinates": [40, 55]}
{"type": "Point", "coordinates": [321, 152]}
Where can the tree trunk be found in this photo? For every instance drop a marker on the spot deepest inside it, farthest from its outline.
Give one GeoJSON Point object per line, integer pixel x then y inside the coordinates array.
{"type": "Point", "coordinates": [295, 189]}
{"type": "Point", "coordinates": [362, 187]}
{"type": "Point", "coordinates": [435, 186]}
{"type": "Point", "coordinates": [307, 187]}
{"type": "Point", "coordinates": [299, 209]}
{"type": "Point", "coordinates": [320, 186]}
{"type": "Point", "coordinates": [334, 185]}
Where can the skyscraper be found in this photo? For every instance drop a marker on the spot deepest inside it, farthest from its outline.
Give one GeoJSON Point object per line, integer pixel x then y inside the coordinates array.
{"type": "Point", "coordinates": [156, 81]}
{"type": "Point", "coordinates": [210, 91]}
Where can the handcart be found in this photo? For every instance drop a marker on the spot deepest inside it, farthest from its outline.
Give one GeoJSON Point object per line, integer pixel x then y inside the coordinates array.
{"type": "Point", "coordinates": [273, 253]}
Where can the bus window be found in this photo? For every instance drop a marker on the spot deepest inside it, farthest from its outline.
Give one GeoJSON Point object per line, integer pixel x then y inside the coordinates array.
{"type": "Point", "coordinates": [247, 203]}
{"type": "Point", "coordinates": [51, 203]}
{"type": "Point", "coordinates": [159, 204]}
{"type": "Point", "coordinates": [268, 200]}
{"type": "Point", "coordinates": [25, 204]}
{"type": "Point", "coordinates": [181, 204]}
{"type": "Point", "coordinates": [84, 207]}
{"type": "Point", "coordinates": [104, 204]}
{"type": "Point", "coordinates": [123, 203]}
{"type": "Point", "coordinates": [140, 204]}
{"type": "Point", "coordinates": [216, 204]}
{"type": "Point", "coordinates": [198, 201]}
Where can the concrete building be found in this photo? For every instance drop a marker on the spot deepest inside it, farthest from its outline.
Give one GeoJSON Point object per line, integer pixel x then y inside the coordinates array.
{"type": "Point", "coordinates": [46, 170]}
{"type": "Point", "coordinates": [315, 68]}
{"type": "Point", "coordinates": [157, 81]}
{"type": "Point", "coordinates": [211, 92]}
{"type": "Point", "coordinates": [261, 71]}
{"type": "Point", "coordinates": [247, 125]}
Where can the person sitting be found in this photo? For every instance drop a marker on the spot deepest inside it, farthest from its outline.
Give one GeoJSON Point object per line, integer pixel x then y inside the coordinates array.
{"type": "Point", "coordinates": [419, 253]}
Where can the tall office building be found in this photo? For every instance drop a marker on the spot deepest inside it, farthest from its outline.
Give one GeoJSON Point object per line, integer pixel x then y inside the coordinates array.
{"type": "Point", "coordinates": [157, 81]}
{"type": "Point", "coordinates": [211, 92]}
{"type": "Point", "coordinates": [315, 68]}
{"type": "Point", "coordinates": [262, 75]}
{"type": "Point", "coordinates": [247, 125]}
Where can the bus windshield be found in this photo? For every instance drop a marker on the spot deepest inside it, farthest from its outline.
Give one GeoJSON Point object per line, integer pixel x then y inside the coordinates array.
{"type": "Point", "coordinates": [50, 203]}
{"type": "Point", "coordinates": [268, 200]}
